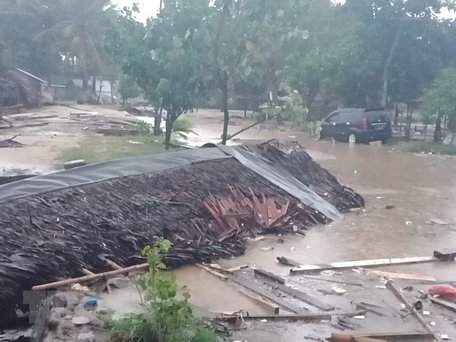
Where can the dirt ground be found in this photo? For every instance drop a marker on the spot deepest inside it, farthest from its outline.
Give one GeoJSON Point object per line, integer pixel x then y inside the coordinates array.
{"type": "Point", "coordinates": [405, 193]}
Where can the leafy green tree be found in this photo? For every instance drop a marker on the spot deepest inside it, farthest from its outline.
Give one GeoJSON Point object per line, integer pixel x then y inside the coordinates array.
{"type": "Point", "coordinates": [167, 58]}
{"type": "Point", "coordinates": [439, 102]}
{"type": "Point", "coordinates": [128, 89]}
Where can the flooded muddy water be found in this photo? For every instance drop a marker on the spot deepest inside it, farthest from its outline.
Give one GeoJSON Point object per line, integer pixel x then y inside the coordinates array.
{"type": "Point", "coordinates": [406, 194]}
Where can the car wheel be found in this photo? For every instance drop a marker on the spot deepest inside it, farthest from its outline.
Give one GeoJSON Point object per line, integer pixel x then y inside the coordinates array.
{"type": "Point", "coordinates": [352, 138]}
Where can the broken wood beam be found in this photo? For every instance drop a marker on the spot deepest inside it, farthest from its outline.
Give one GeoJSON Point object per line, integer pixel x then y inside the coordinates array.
{"type": "Point", "coordinates": [331, 281]}
{"type": "Point", "coordinates": [213, 272]}
{"type": "Point", "coordinates": [86, 271]}
{"type": "Point", "coordinates": [275, 308]}
{"type": "Point", "coordinates": [444, 303]}
{"type": "Point", "coordinates": [416, 314]}
{"type": "Point", "coordinates": [269, 275]}
{"type": "Point", "coordinates": [301, 296]}
{"type": "Point", "coordinates": [112, 264]}
{"type": "Point", "coordinates": [288, 262]}
{"type": "Point", "coordinates": [405, 276]}
{"type": "Point", "coordinates": [445, 255]}
{"type": "Point", "coordinates": [294, 317]}
{"type": "Point", "coordinates": [254, 288]}
{"type": "Point", "coordinates": [362, 263]}
{"type": "Point", "coordinates": [105, 275]}
{"type": "Point", "coordinates": [337, 337]}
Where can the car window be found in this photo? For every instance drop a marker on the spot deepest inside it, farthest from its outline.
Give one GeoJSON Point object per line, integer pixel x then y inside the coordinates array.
{"type": "Point", "coordinates": [333, 118]}
{"type": "Point", "coordinates": [349, 116]}
{"type": "Point", "coordinates": [377, 116]}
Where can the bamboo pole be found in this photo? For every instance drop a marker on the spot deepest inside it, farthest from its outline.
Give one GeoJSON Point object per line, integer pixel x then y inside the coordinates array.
{"type": "Point", "coordinates": [105, 275]}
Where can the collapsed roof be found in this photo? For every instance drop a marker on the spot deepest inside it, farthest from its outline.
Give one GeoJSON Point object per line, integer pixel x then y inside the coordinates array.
{"type": "Point", "coordinates": [53, 226]}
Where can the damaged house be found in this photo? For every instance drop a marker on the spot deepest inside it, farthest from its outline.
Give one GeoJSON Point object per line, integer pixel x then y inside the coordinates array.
{"type": "Point", "coordinates": [18, 87]}
{"type": "Point", "coordinates": [205, 201]}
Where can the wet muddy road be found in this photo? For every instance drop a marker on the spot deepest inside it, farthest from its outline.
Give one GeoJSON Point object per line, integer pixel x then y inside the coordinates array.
{"type": "Point", "coordinates": [404, 194]}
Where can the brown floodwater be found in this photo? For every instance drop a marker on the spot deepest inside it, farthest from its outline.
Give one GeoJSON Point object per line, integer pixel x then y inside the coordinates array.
{"type": "Point", "coordinates": [418, 188]}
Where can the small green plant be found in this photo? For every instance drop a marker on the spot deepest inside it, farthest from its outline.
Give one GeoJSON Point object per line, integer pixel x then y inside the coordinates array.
{"type": "Point", "coordinates": [183, 128]}
{"type": "Point", "coordinates": [167, 315]}
{"type": "Point", "coordinates": [144, 129]}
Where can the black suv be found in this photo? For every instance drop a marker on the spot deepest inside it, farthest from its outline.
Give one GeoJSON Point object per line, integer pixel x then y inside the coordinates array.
{"type": "Point", "coordinates": [357, 125]}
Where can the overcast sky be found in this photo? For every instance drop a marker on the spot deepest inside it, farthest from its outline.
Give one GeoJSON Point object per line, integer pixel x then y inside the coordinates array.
{"type": "Point", "coordinates": [150, 7]}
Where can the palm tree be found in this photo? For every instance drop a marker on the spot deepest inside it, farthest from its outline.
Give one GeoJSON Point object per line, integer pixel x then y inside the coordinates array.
{"type": "Point", "coordinates": [81, 25]}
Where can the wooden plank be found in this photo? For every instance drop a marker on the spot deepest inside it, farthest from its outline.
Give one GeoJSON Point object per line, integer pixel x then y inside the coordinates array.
{"type": "Point", "coordinates": [301, 296]}
{"type": "Point", "coordinates": [400, 296]}
{"type": "Point", "coordinates": [275, 308]}
{"type": "Point", "coordinates": [361, 263]}
{"type": "Point", "coordinates": [67, 282]}
{"type": "Point", "coordinates": [288, 262]}
{"type": "Point", "coordinates": [332, 281]}
{"type": "Point", "coordinates": [295, 317]}
{"type": "Point", "coordinates": [444, 303]}
{"type": "Point", "coordinates": [298, 317]}
{"type": "Point", "coordinates": [213, 272]}
{"type": "Point", "coordinates": [254, 288]}
{"type": "Point", "coordinates": [406, 276]}
{"type": "Point", "coordinates": [269, 275]}
{"type": "Point", "coordinates": [386, 336]}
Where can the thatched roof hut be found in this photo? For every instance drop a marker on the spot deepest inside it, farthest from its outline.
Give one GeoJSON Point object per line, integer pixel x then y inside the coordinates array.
{"type": "Point", "coordinates": [53, 226]}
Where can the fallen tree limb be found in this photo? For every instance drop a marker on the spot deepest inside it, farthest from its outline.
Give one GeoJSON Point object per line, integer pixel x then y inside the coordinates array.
{"type": "Point", "coordinates": [213, 272]}
{"type": "Point", "coordinates": [400, 296]}
{"type": "Point", "coordinates": [105, 275]}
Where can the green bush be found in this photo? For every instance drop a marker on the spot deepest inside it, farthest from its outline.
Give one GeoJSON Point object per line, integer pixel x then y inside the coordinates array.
{"type": "Point", "coordinates": [183, 128]}
{"type": "Point", "coordinates": [167, 317]}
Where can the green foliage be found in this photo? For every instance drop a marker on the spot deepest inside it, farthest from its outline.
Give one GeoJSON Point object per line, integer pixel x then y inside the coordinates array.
{"type": "Point", "coordinates": [167, 315]}
{"type": "Point", "coordinates": [128, 88]}
{"type": "Point", "coordinates": [440, 99]}
{"type": "Point", "coordinates": [183, 128]}
{"type": "Point", "coordinates": [296, 110]}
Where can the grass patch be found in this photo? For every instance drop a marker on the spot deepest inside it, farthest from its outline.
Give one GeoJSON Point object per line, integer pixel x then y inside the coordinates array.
{"type": "Point", "coordinates": [98, 148]}
{"type": "Point", "coordinates": [426, 147]}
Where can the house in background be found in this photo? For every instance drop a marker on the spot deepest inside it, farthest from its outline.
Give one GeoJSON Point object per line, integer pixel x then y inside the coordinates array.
{"type": "Point", "coordinates": [19, 87]}
{"type": "Point", "coordinates": [103, 90]}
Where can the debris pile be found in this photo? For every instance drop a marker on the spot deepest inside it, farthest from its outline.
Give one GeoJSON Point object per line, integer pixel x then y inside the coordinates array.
{"type": "Point", "coordinates": [46, 235]}
{"type": "Point", "coordinates": [10, 143]}
{"type": "Point", "coordinates": [293, 158]}
{"type": "Point", "coordinates": [244, 216]}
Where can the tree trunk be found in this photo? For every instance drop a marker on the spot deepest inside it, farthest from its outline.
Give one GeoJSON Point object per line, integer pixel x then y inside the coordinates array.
{"type": "Point", "coordinates": [387, 66]}
{"type": "Point", "coordinates": [408, 123]}
{"type": "Point", "coordinates": [226, 113]}
{"type": "Point", "coordinates": [157, 122]}
{"type": "Point", "coordinates": [170, 118]}
{"type": "Point", "coordinates": [438, 129]}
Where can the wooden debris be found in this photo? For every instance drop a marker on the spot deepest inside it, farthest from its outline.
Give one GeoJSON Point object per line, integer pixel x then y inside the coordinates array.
{"type": "Point", "coordinates": [412, 310]}
{"type": "Point", "coordinates": [10, 143]}
{"type": "Point", "coordinates": [337, 337]}
{"type": "Point", "coordinates": [370, 307]}
{"type": "Point", "coordinates": [74, 163]}
{"type": "Point", "coordinates": [297, 317]}
{"type": "Point", "coordinates": [269, 275]}
{"type": "Point", "coordinates": [301, 296]}
{"type": "Point", "coordinates": [86, 271]}
{"type": "Point", "coordinates": [117, 131]}
{"type": "Point", "coordinates": [237, 268]}
{"type": "Point", "coordinates": [254, 288]}
{"type": "Point", "coordinates": [67, 282]}
{"type": "Point", "coordinates": [406, 276]}
{"type": "Point", "coordinates": [332, 281]}
{"type": "Point", "coordinates": [213, 272]}
{"type": "Point", "coordinates": [445, 255]}
{"type": "Point", "coordinates": [444, 303]}
{"type": "Point", "coordinates": [362, 263]}
{"type": "Point", "coordinates": [275, 308]}
{"type": "Point", "coordinates": [113, 265]}
{"type": "Point", "coordinates": [288, 262]}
